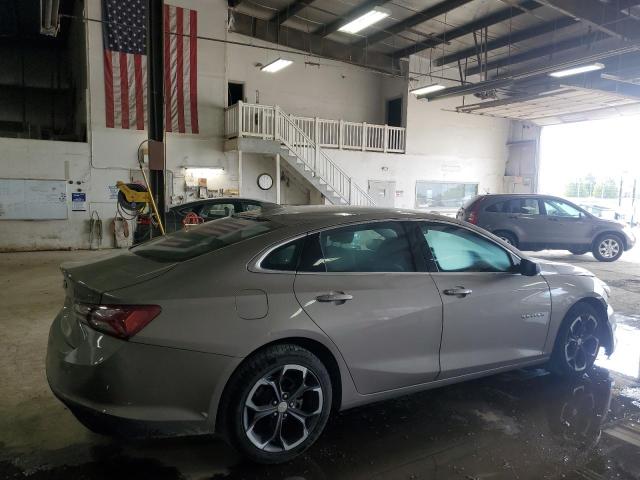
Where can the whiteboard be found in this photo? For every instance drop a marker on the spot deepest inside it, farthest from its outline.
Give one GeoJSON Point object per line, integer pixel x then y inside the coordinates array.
{"type": "Point", "coordinates": [33, 199]}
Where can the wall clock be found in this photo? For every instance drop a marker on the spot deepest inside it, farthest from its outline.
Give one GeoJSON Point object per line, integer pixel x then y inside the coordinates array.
{"type": "Point", "coordinates": [265, 181]}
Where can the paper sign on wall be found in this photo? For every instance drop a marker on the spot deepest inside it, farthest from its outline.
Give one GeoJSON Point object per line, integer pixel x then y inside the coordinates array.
{"type": "Point", "coordinates": [78, 201]}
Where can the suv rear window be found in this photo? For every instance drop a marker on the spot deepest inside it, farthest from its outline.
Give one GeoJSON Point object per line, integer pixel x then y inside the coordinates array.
{"type": "Point", "coordinates": [205, 238]}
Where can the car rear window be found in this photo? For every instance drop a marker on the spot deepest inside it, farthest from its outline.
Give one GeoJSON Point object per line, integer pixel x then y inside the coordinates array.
{"type": "Point", "coordinates": [471, 201]}
{"type": "Point", "coordinates": [205, 238]}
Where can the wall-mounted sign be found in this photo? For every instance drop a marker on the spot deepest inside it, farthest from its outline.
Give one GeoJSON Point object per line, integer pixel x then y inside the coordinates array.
{"type": "Point", "coordinates": [78, 201]}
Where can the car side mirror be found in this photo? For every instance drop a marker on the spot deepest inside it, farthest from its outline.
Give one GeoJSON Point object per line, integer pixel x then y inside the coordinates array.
{"type": "Point", "coordinates": [529, 268]}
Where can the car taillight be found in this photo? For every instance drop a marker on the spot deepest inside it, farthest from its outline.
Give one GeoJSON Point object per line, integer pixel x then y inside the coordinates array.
{"type": "Point", "coordinates": [144, 220]}
{"type": "Point", "coordinates": [122, 321]}
{"type": "Point", "coordinates": [474, 214]}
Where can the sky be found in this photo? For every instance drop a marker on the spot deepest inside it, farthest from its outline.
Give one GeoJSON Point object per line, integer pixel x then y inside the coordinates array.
{"type": "Point", "coordinates": [603, 148]}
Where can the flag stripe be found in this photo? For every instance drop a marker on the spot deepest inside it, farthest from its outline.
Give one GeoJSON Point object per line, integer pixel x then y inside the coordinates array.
{"type": "Point", "coordinates": [173, 70]}
{"type": "Point", "coordinates": [108, 88]}
{"type": "Point", "coordinates": [117, 118]}
{"type": "Point", "coordinates": [186, 60]}
{"type": "Point", "coordinates": [180, 69]}
{"type": "Point", "coordinates": [167, 70]}
{"type": "Point", "coordinates": [139, 93]}
{"type": "Point", "coordinates": [124, 90]}
{"type": "Point", "coordinates": [193, 70]}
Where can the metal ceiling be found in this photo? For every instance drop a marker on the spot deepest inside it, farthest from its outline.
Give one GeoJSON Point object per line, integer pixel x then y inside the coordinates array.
{"type": "Point", "coordinates": [490, 48]}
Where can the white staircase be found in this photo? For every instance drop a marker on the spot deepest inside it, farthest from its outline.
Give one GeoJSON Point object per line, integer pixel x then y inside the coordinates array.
{"type": "Point", "coordinates": [311, 161]}
{"type": "Point", "coordinates": [307, 155]}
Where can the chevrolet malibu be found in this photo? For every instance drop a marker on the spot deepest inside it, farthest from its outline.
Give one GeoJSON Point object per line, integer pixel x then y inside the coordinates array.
{"type": "Point", "coordinates": [258, 326]}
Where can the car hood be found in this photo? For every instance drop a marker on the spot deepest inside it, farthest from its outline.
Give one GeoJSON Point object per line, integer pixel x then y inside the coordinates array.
{"type": "Point", "coordinates": [549, 267]}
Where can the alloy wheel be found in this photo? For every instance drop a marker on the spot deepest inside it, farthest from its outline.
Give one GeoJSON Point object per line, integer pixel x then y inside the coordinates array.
{"type": "Point", "coordinates": [609, 248]}
{"type": "Point", "coordinates": [282, 408]}
{"type": "Point", "coordinates": [582, 344]}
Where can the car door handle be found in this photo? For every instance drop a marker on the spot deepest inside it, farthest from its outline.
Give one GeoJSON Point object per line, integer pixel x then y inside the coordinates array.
{"type": "Point", "coordinates": [460, 292]}
{"type": "Point", "coordinates": [338, 297]}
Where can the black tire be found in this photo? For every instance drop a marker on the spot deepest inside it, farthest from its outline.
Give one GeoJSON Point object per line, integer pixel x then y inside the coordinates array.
{"type": "Point", "coordinates": [508, 237]}
{"type": "Point", "coordinates": [602, 253]}
{"type": "Point", "coordinates": [578, 341]}
{"type": "Point", "coordinates": [579, 250]}
{"type": "Point", "coordinates": [267, 366]}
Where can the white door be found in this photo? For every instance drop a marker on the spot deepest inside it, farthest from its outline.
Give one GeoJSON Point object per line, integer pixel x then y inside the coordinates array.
{"type": "Point", "coordinates": [382, 192]}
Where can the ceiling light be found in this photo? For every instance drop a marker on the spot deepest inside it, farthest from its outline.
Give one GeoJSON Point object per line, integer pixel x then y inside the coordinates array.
{"type": "Point", "coordinates": [276, 65]}
{"type": "Point", "coordinates": [428, 89]}
{"type": "Point", "coordinates": [364, 21]}
{"type": "Point", "coordinates": [577, 70]}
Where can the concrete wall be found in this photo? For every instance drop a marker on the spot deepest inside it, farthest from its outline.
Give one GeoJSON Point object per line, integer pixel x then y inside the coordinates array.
{"type": "Point", "coordinates": [440, 145]}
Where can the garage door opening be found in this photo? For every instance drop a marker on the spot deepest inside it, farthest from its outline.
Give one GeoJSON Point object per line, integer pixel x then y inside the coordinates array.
{"type": "Point", "coordinates": [596, 164]}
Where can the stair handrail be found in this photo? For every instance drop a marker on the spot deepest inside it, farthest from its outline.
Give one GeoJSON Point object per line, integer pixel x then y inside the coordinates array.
{"type": "Point", "coordinates": [279, 113]}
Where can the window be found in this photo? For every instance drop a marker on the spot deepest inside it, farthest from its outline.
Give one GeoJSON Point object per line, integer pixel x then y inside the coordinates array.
{"type": "Point", "coordinates": [185, 244]}
{"type": "Point", "coordinates": [251, 207]}
{"type": "Point", "coordinates": [284, 258]}
{"type": "Point", "coordinates": [373, 247]}
{"type": "Point", "coordinates": [442, 194]}
{"type": "Point", "coordinates": [556, 208]}
{"type": "Point", "coordinates": [217, 210]}
{"type": "Point", "coordinates": [235, 93]}
{"type": "Point", "coordinates": [523, 206]}
{"type": "Point", "coordinates": [456, 249]}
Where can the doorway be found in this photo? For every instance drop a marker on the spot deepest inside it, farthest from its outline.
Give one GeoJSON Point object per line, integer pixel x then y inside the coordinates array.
{"type": "Point", "coordinates": [235, 93]}
{"type": "Point", "coordinates": [383, 192]}
{"type": "Point", "coordinates": [394, 112]}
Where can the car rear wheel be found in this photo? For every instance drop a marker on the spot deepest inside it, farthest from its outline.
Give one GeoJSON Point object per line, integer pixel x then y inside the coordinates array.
{"type": "Point", "coordinates": [578, 341]}
{"type": "Point", "coordinates": [278, 403]}
{"type": "Point", "coordinates": [508, 237]}
{"type": "Point", "coordinates": [608, 248]}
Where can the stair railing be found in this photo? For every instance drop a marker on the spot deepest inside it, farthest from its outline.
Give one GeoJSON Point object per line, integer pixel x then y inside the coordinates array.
{"type": "Point", "coordinates": [315, 159]}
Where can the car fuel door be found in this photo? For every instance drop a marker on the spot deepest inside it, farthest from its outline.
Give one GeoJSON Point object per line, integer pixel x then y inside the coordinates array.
{"type": "Point", "coordinates": [359, 285]}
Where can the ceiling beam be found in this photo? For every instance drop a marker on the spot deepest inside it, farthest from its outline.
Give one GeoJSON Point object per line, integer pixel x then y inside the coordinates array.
{"type": "Point", "coordinates": [291, 10]}
{"type": "Point", "coordinates": [351, 15]}
{"type": "Point", "coordinates": [421, 17]}
{"type": "Point", "coordinates": [308, 43]}
{"type": "Point", "coordinates": [538, 53]}
{"type": "Point", "coordinates": [600, 16]}
{"type": "Point", "coordinates": [234, 3]}
{"type": "Point", "coordinates": [601, 51]}
{"type": "Point", "coordinates": [486, 21]}
{"type": "Point", "coordinates": [510, 39]}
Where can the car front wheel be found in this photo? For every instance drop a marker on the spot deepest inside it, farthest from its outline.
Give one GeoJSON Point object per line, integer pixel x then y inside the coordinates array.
{"type": "Point", "coordinates": [278, 403]}
{"type": "Point", "coordinates": [578, 341]}
{"type": "Point", "coordinates": [608, 248]}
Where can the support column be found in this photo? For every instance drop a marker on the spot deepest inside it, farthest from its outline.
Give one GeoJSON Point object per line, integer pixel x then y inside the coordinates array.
{"type": "Point", "coordinates": [240, 172]}
{"type": "Point", "coordinates": [278, 178]}
{"type": "Point", "coordinates": [155, 71]}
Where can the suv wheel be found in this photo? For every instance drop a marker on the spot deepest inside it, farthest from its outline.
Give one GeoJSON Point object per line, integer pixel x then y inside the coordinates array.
{"type": "Point", "coordinates": [578, 341]}
{"type": "Point", "coordinates": [278, 404]}
{"type": "Point", "coordinates": [507, 237]}
{"type": "Point", "coordinates": [608, 247]}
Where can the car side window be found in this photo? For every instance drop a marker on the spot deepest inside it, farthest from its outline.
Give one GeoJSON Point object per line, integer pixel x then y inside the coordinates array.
{"type": "Point", "coordinates": [217, 210]}
{"type": "Point", "coordinates": [284, 258]}
{"type": "Point", "coordinates": [251, 207]}
{"type": "Point", "coordinates": [556, 208]}
{"type": "Point", "coordinates": [530, 206]}
{"type": "Point", "coordinates": [457, 249]}
{"type": "Point", "coordinates": [372, 247]}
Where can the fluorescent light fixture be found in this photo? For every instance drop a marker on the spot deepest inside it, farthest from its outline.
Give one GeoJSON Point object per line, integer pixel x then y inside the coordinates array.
{"type": "Point", "coordinates": [428, 89]}
{"type": "Point", "coordinates": [577, 70]}
{"type": "Point", "coordinates": [276, 65]}
{"type": "Point", "coordinates": [366, 20]}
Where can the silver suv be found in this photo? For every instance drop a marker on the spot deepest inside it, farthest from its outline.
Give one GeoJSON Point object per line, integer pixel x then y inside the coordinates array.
{"type": "Point", "coordinates": [539, 222]}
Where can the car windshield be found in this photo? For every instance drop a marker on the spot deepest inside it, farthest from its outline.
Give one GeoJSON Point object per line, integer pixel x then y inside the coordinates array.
{"type": "Point", "coordinates": [213, 235]}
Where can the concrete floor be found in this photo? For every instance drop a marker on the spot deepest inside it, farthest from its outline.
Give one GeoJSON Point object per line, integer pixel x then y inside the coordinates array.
{"type": "Point", "coordinates": [520, 425]}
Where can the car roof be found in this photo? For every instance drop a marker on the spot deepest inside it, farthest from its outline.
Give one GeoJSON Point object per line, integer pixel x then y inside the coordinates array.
{"type": "Point", "coordinates": [319, 216]}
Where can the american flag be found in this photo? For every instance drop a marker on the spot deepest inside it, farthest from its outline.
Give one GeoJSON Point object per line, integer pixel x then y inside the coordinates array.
{"type": "Point", "coordinates": [124, 30]}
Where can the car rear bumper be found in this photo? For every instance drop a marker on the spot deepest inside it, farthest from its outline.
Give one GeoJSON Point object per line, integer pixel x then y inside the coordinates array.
{"type": "Point", "coordinates": [107, 382]}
